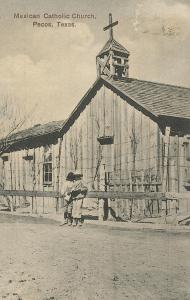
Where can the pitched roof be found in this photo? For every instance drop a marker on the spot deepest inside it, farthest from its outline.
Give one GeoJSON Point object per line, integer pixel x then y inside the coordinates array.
{"type": "Point", "coordinates": [159, 99]}
{"type": "Point", "coordinates": [156, 98]}
{"type": "Point", "coordinates": [37, 131]}
{"type": "Point", "coordinates": [112, 44]}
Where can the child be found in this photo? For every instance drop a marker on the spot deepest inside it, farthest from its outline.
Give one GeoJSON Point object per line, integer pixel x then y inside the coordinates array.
{"type": "Point", "coordinates": [68, 201]}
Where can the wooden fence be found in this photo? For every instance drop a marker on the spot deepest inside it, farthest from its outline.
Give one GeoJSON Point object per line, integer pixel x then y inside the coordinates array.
{"type": "Point", "coordinates": [131, 203]}
{"type": "Point", "coordinates": [91, 194]}
{"type": "Point", "coordinates": [102, 194]}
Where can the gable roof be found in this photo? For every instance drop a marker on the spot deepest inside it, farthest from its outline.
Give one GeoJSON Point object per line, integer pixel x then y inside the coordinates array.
{"type": "Point", "coordinates": [157, 98]}
{"type": "Point", "coordinates": [112, 44]}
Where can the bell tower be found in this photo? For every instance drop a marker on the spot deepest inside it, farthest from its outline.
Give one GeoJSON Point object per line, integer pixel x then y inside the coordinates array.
{"type": "Point", "coordinates": [112, 60]}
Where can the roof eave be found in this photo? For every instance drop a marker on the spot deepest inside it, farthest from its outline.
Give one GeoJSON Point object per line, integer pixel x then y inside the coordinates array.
{"type": "Point", "coordinates": [29, 142]}
{"type": "Point", "coordinates": [174, 117]}
{"type": "Point", "coordinates": [179, 125]}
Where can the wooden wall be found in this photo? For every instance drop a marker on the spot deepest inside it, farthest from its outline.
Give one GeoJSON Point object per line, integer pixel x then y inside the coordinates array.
{"type": "Point", "coordinates": [131, 163]}
{"type": "Point", "coordinates": [133, 158]}
{"type": "Point", "coordinates": [134, 162]}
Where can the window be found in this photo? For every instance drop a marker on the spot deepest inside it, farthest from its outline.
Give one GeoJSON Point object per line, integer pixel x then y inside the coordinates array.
{"type": "Point", "coordinates": [28, 157]}
{"type": "Point", "coordinates": [187, 150]}
{"type": "Point", "coordinates": [47, 173]}
{"type": "Point", "coordinates": [5, 158]}
{"type": "Point", "coordinates": [47, 166]}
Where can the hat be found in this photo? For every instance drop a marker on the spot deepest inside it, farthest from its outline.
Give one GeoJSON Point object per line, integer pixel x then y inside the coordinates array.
{"type": "Point", "coordinates": [70, 176]}
{"type": "Point", "coordinates": [77, 175]}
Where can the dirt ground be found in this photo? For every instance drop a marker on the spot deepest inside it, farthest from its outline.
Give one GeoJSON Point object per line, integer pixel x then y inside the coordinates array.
{"type": "Point", "coordinates": [40, 260]}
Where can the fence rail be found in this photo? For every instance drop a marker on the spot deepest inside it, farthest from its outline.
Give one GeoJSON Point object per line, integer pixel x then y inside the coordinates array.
{"type": "Point", "coordinates": [126, 195]}
{"type": "Point", "coordinates": [101, 194]}
{"type": "Point", "coordinates": [22, 193]}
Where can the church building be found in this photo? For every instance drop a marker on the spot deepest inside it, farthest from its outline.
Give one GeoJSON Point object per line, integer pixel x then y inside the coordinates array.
{"type": "Point", "coordinates": [125, 135]}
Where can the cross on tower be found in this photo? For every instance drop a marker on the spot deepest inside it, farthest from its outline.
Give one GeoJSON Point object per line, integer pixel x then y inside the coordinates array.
{"type": "Point", "coordinates": [110, 26]}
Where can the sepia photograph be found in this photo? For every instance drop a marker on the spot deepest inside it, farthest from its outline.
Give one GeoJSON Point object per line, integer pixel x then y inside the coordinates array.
{"type": "Point", "coordinates": [94, 150]}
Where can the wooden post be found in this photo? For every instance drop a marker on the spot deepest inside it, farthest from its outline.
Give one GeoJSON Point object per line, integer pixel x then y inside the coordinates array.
{"type": "Point", "coordinates": [3, 180]}
{"type": "Point", "coordinates": [131, 200]}
{"type": "Point", "coordinates": [110, 217]}
{"type": "Point", "coordinates": [101, 209]}
{"type": "Point", "coordinates": [12, 172]}
{"type": "Point", "coordinates": [165, 165]}
{"type": "Point", "coordinates": [58, 172]}
{"type": "Point", "coordinates": [34, 180]}
{"type": "Point", "coordinates": [173, 203]}
{"type": "Point", "coordinates": [142, 190]}
{"type": "Point", "coordinates": [166, 155]}
{"type": "Point", "coordinates": [38, 178]}
{"type": "Point", "coordinates": [19, 179]}
{"type": "Point", "coordinates": [23, 173]}
{"type": "Point", "coordinates": [43, 160]}
{"type": "Point", "coordinates": [11, 184]}
{"type": "Point", "coordinates": [3, 175]}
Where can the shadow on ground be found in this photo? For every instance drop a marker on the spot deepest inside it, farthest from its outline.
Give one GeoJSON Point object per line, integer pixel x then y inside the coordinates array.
{"type": "Point", "coordinates": [6, 218]}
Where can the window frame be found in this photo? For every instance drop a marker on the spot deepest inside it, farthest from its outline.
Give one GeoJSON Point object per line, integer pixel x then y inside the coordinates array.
{"type": "Point", "coordinates": [47, 173]}
{"type": "Point", "coordinates": [48, 166]}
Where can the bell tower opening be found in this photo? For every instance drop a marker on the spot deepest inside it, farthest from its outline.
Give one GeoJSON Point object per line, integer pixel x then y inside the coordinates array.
{"type": "Point", "coordinates": [112, 60]}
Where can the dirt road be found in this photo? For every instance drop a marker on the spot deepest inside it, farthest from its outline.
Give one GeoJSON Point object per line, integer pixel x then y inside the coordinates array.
{"type": "Point", "coordinates": [45, 261]}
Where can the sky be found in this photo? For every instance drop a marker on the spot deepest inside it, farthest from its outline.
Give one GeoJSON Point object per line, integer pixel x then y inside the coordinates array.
{"type": "Point", "coordinates": [46, 71]}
